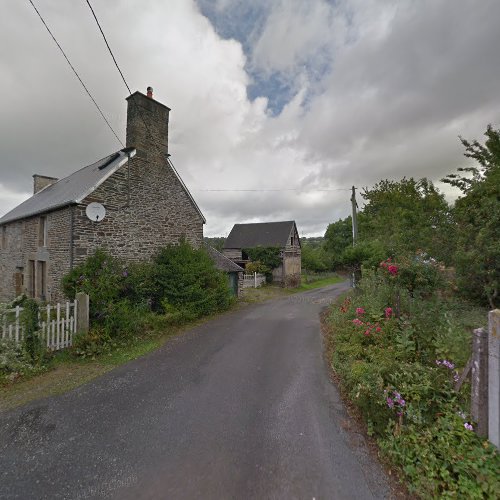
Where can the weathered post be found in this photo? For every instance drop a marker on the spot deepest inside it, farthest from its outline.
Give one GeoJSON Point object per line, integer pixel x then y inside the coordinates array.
{"type": "Point", "coordinates": [479, 380]}
{"type": "Point", "coordinates": [494, 377]}
{"type": "Point", "coordinates": [82, 313]}
{"type": "Point", "coordinates": [255, 279]}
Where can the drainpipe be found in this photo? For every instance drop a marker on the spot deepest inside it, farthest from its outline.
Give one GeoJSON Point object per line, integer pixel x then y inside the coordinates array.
{"type": "Point", "coordinates": [71, 236]}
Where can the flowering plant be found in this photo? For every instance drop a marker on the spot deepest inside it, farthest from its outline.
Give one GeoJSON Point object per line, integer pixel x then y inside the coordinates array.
{"type": "Point", "coordinates": [449, 365]}
{"type": "Point", "coordinates": [395, 401]}
{"type": "Point", "coordinates": [389, 266]}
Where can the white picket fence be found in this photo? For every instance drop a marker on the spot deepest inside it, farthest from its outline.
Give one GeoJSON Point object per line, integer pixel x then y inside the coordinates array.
{"type": "Point", "coordinates": [57, 325]}
{"type": "Point", "coordinates": [253, 280]}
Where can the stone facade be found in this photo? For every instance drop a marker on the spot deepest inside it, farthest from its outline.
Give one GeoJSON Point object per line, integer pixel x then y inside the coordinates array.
{"type": "Point", "coordinates": [147, 206]}
{"type": "Point", "coordinates": [288, 273]}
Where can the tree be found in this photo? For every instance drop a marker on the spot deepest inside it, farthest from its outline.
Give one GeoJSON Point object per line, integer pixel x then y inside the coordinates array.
{"type": "Point", "coordinates": [407, 215]}
{"type": "Point", "coordinates": [313, 258]}
{"type": "Point", "coordinates": [477, 218]}
{"type": "Point", "coordinates": [338, 237]}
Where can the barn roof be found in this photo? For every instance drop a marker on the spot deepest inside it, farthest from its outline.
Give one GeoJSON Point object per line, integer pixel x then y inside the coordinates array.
{"type": "Point", "coordinates": [265, 234]}
{"type": "Point", "coordinates": [222, 262]}
{"type": "Point", "coordinates": [72, 189]}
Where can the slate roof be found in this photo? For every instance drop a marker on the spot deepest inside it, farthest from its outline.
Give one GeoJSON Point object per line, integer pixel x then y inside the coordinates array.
{"type": "Point", "coordinates": [265, 234]}
{"type": "Point", "coordinates": [222, 262]}
{"type": "Point", "coordinates": [72, 189]}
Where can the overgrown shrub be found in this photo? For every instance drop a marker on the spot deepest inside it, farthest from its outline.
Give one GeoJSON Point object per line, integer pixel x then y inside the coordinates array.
{"type": "Point", "coordinates": [102, 277]}
{"type": "Point", "coordinates": [268, 257]}
{"type": "Point", "coordinates": [186, 281]}
{"type": "Point", "coordinates": [398, 346]}
{"type": "Point", "coordinates": [180, 282]}
{"type": "Point", "coordinates": [14, 360]}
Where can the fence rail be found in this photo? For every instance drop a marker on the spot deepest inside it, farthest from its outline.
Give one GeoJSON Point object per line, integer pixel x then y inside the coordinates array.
{"type": "Point", "coordinates": [57, 325]}
{"type": "Point", "coordinates": [253, 280]}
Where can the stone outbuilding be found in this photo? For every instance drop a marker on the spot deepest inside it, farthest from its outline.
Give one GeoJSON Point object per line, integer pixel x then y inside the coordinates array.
{"type": "Point", "coordinates": [130, 203]}
{"type": "Point", "coordinates": [282, 235]}
{"type": "Point", "coordinates": [233, 271]}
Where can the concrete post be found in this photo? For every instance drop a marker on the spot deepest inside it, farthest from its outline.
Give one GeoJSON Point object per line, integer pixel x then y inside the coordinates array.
{"type": "Point", "coordinates": [494, 377]}
{"type": "Point", "coordinates": [255, 279]}
{"type": "Point", "coordinates": [82, 313]}
{"type": "Point", "coordinates": [479, 380]}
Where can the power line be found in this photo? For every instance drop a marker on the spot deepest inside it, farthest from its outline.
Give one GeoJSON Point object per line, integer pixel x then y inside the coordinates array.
{"type": "Point", "coordinates": [75, 72]}
{"type": "Point", "coordinates": [109, 48]}
{"type": "Point", "coordinates": [168, 160]}
{"type": "Point", "coordinates": [273, 190]}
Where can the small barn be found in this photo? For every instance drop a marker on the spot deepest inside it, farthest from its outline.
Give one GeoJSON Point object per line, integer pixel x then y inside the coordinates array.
{"type": "Point", "coordinates": [282, 235]}
{"type": "Point", "coordinates": [234, 271]}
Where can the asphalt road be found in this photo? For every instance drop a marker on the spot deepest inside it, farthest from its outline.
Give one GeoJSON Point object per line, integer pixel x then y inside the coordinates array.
{"type": "Point", "coordinates": [240, 407]}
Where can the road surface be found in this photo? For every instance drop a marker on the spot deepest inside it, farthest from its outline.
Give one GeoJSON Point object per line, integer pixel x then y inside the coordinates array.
{"type": "Point", "coordinates": [240, 407]}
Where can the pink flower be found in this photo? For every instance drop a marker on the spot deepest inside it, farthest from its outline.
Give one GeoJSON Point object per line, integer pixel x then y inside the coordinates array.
{"type": "Point", "coordinates": [378, 329]}
{"type": "Point", "coordinates": [367, 332]}
{"type": "Point", "coordinates": [357, 322]}
{"type": "Point", "coordinates": [360, 311]}
{"type": "Point", "coordinates": [393, 270]}
{"type": "Point", "coordinates": [388, 312]}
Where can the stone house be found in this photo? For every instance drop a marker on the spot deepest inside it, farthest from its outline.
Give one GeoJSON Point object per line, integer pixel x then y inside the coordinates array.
{"type": "Point", "coordinates": [139, 203]}
{"type": "Point", "coordinates": [283, 235]}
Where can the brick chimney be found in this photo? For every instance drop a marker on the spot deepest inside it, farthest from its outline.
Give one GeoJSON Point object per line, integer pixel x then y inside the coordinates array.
{"type": "Point", "coordinates": [42, 181]}
{"type": "Point", "coordinates": [147, 125]}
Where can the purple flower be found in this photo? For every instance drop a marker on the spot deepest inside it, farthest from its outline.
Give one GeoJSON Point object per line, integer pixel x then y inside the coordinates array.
{"type": "Point", "coordinates": [125, 274]}
{"type": "Point", "coordinates": [468, 426]}
{"type": "Point", "coordinates": [390, 403]}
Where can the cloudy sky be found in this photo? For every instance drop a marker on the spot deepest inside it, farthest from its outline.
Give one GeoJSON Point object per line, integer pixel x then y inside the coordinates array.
{"type": "Point", "coordinates": [307, 96]}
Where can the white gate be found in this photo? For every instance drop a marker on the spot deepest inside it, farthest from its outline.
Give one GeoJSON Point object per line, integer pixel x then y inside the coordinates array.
{"type": "Point", "coordinates": [57, 325]}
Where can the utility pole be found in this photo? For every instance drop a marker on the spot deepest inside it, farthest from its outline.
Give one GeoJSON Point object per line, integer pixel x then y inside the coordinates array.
{"type": "Point", "coordinates": [354, 230]}
{"type": "Point", "coordinates": [354, 217]}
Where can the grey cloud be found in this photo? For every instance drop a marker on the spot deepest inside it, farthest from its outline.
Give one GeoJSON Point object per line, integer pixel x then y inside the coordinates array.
{"type": "Point", "coordinates": [403, 80]}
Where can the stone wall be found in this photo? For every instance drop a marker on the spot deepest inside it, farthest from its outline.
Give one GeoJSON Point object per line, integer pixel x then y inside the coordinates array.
{"type": "Point", "coordinates": [146, 208]}
{"type": "Point", "coordinates": [146, 205]}
{"type": "Point", "coordinates": [21, 260]}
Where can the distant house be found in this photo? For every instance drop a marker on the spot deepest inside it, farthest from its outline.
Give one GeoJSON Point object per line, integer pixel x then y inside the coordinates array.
{"type": "Point", "coordinates": [283, 235]}
{"type": "Point", "coordinates": [131, 203]}
{"type": "Point", "coordinates": [233, 271]}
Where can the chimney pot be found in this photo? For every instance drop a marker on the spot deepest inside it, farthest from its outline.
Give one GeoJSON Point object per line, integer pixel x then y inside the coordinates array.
{"type": "Point", "coordinates": [150, 92]}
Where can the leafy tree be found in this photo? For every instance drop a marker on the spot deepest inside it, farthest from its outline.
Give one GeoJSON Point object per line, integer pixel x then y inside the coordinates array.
{"type": "Point", "coordinates": [314, 258]}
{"type": "Point", "coordinates": [338, 237]}
{"type": "Point", "coordinates": [477, 217]}
{"type": "Point", "coordinates": [407, 215]}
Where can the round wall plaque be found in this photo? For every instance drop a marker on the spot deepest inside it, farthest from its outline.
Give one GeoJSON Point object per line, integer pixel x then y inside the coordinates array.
{"type": "Point", "coordinates": [95, 212]}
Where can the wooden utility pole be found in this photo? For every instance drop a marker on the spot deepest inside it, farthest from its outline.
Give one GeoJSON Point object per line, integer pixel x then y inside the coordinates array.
{"type": "Point", "coordinates": [354, 217]}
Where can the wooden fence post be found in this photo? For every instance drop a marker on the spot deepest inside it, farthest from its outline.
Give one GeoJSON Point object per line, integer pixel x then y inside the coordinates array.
{"type": "Point", "coordinates": [479, 381]}
{"type": "Point", "coordinates": [82, 313]}
{"type": "Point", "coordinates": [494, 377]}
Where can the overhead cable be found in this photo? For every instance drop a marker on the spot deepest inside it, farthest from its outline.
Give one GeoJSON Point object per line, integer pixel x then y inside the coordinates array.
{"type": "Point", "coordinates": [75, 72]}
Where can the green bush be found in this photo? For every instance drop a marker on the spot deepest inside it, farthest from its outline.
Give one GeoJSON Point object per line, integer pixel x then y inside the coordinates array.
{"type": "Point", "coordinates": [102, 277]}
{"type": "Point", "coordinates": [444, 459]}
{"type": "Point", "coordinates": [14, 360]}
{"type": "Point", "coordinates": [398, 343]}
{"type": "Point", "coordinates": [186, 281]}
{"type": "Point", "coordinates": [269, 257]}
